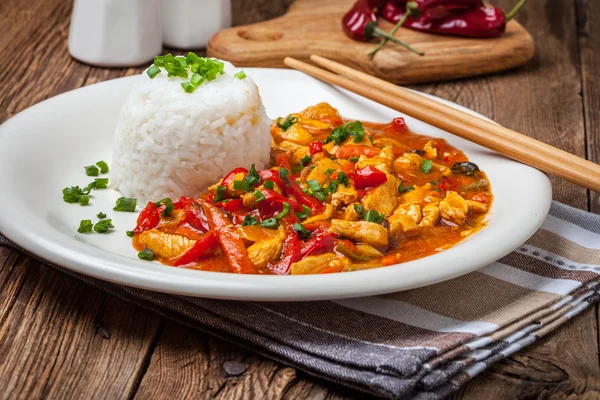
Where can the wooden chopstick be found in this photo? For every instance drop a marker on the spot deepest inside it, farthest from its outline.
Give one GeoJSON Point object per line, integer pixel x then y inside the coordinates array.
{"type": "Point", "coordinates": [503, 140]}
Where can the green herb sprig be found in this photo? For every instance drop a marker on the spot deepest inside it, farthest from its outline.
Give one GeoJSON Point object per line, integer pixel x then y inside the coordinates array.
{"type": "Point", "coordinates": [202, 69]}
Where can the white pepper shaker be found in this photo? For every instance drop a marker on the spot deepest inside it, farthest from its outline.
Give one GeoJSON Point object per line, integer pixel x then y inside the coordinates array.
{"type": "Point", "coordinates": [189, 24]}
{"type": "Point", "coordinates": [115, 33]}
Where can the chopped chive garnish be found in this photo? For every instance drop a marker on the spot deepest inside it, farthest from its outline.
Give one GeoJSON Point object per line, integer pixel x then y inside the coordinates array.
{"type": "Point", "coordinates": [286, 209]}
{"type": "Point", "coordinates": [146, 254]}
{"type": "Point", "coordinates": [341, 133]}
{"type": "Point", "coordinates": [85, 226]}
{"type": "Point", "coordinates": [242, 185]}
{"type": "Point", "coordinates": [166, 200]}
{"type": "Point", "coordinates": [103, 226]}
{"type": "Point", "coordinates": [269, 184]}
{"type": "Point", "coordinates": [333, 185]}
{"type": "Point", "coordinates": [426, 166]}
{"type": "Point", "coordinates": [99, 183]}
{"type": "Point", "coordinates": [249, 220]}
{"type": "Point", "coordinates": [283, 174]}
{"type": "Point", "coordinates": [220, 194]}
{"type": "Point", "coordinates": [101, 215]}
{"type": "Point", "coordinates": [240, 75]}
{"type": "Point", "coordinates": [297, 168]}
{"type": "Point", "coordinates": [88, 188]}
{"type": "Point", "coordinates": [404, 189]}
{"type": "Point", "coordinates": [71, 194]}
{"type": "Point", "coordinates": [314, 185]}
{"type": "Point", "coordinates": [168, 210]}
{"type": "Point", "coordinates": [287, 122]}
{"type": "Point", "coordinates": [329, 171]}
{"type": "Point", "coordinates": [196, 79]}
{"type": "Point", "coordinates": [305, 212]}
{"type": "Point", "coordinates": [188, 87]}
{"type": "Point", "coordinates": [302, 232]}
{"type": "Point", "coordinates": [103, 166]}
{"type": "Point", "coordinates": [130, 233]}
{"type": "Point", "coordinates": [84, 200]}
{"type": "Point", "coordinates": [353, 159]}
{"type": "Point", "coordinates": [343, 179]}
{"type": "Point", "coordinates": [253, 177]}
{"type": "Point", "coordinates": [259, 196]}
{"type": "Point", "coordinates": [270, 223]}
{"type": "Point", "coordinates": [125, 204]}
{"type": "Point", "coordinates": [153, 71]}
{"type": "Point", "coordinates": [306, 160]}
{"type": "Point", "coordinates": [91, 170]}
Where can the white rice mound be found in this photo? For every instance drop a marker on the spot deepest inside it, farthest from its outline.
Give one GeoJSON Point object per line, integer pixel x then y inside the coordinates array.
{"type": "Point", "coordinates": [169, 143]}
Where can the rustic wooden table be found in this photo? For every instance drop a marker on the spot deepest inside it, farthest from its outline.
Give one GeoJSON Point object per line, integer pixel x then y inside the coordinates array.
{"type": "Point", "coordinates": [60, 338]}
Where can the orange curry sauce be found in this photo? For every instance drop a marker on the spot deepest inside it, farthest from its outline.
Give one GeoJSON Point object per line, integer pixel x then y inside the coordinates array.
{"type": "Point", "coordinates": [361, 196]}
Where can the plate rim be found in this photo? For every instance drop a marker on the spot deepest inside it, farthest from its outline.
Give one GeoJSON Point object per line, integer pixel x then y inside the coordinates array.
{"type": "Point", "coordinates": [217, 285]}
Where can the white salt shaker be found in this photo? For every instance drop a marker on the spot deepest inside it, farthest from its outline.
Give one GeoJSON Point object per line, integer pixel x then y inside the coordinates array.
{"type": "Point", "coordinates": [189, 24]}
{"type": "Point", "coordinates": [115, 33]}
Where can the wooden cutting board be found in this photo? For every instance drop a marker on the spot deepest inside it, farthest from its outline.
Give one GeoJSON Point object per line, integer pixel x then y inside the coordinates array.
{"type": "Point", "coordinates": [314, 27]}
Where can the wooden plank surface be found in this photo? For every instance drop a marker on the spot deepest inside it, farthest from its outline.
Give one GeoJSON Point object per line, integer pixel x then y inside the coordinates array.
{"type": "Point", "coordinates": [60, 338]}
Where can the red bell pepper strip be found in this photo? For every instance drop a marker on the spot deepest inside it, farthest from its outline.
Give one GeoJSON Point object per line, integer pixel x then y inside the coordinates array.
{"type": "Point", "coordinates": [356, 150]}
{"type": "Point", "coordinates": [320, 242]}
{"type": "Point", "coordinates": [368, 177]}
{"type": "Point", "coordinates": [291, 247]}
{"type": "Point", "coordinates": [272, 196]}
{"type": "Point", "coordinates": [194, 215]}
{"type": "Point", "coordinates": [206, 243]}
{"type": "Point", "coordinates": [272, 175]}
{"type": "Point", "coordinates": [231, 206]}
{"type": "Point", "coordinates": [232, 245]}
{"type": "Point", "coordinates": [315, 148]}
{"type": "Point", "coordinates": [228, 179]}
{"type": "Point", "coordinates": [148, 218]}
{"type": "Point", "coordinates": [311, 202]}
{"type": "Point", "coordinates": [282, 160]}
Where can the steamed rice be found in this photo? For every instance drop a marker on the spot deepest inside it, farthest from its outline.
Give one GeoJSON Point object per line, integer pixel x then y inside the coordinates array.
{"type": "Point", "coordinates": [169, 143]}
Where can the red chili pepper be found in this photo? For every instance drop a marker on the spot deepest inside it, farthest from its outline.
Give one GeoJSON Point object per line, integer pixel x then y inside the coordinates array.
{"type": "Point", "coordinates": [282, 160]}
{"type": "Point", "coordinates": [399, 125]}
{"type": "Point", "coordinates": [360, 23]}
{"type": "Point", "coordinates": [476, 21]}
{"type": "Point", "coordinates": [368, 177]}
{"type": "Point", "coordinates": [148, 218]}
{"type": "Point", "coordinates": [231, 176]}
{"type": "Point", "coordinates": [320, 242]}
{"type": "Point", "coordinates": [194, 215]}
{"type": "Point", "coordinates": [315, 148]}
{"type": "Point", "coordinates": [291, 247]}
{"type": "Point", "coordinates": [206, 243]}
{"type": "Point", "coordinates": [231, 243]}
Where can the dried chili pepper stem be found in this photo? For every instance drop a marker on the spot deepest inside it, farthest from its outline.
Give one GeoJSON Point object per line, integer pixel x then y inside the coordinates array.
{"type": "Point", "coordinates": [515, 10]}
{"type": "Point", "coordinates": [372, 31]}
{"type": "Point", "coordinates": [411, 10]}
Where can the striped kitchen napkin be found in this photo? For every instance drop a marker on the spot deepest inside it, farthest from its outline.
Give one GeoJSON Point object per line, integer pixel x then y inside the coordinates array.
{"type": "Point", "coordinates": [423, 343]}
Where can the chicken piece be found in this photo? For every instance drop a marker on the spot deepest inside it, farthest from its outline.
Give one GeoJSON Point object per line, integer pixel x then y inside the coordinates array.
{"type": "Point", "coordinates": [294, 151]}
{"type": "Point", "coordinates": [323, 216]}
{"type": "Point", "coordinates": [454, 208]}
{"type": "Point", "coordinates": [383, 161]}
{"type": "Point", "coordinates": [343, 195]}
{"type": "Point", "coordinates": [383, 198]}
{"type": "Point", "coordinates": [405, 218]}
{"type": "Point", "coordinates": [350, 214]}
{"type": "Point", "coordinates": [417, 194]}
{"type": "Point", "coordinates": [316, 264]}
{"type": "Point", "coordinates": [322, 112]}
{"type": "Point", "coordinates": [366, 250]}
{"type": "Point", "coordinates": [319, 173]}
{"type": "Point", "coordinates": [361, 231]}
{"type": "Point", "coordinates": [165, 245]}
{"type": "Point", "coordinates": [314, 126]}
{"type": "Point", "coordinates": [431, 215]}
{"type": "Point", "coordinates": [294, 133]}
{"type": "Point", "coordinates": [430, 150]}
{"type": "Point", "coordinates": [256, 233]}
{"type": "Point", "coordinates": [234, 193]}
{"type": "Point", "coordinates": [477, 207]}
{"type": "Point", "coordinates": [408, 164]}
{"type": "Point", "coordinates": [263, 252]}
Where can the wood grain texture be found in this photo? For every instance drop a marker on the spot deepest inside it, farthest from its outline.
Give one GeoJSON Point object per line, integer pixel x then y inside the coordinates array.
{"type": "Point", "coordinates": [313, 27]}
{"type": "Point", "coordinates": [52, 327]}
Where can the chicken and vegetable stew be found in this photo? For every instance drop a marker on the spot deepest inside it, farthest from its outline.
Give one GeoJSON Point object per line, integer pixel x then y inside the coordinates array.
{"type": "Point", "coordinates": [342, 195]}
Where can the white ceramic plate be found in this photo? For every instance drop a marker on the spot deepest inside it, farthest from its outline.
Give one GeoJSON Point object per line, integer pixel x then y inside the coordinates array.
{"type": "Point", "coordinates": [43, 149]}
